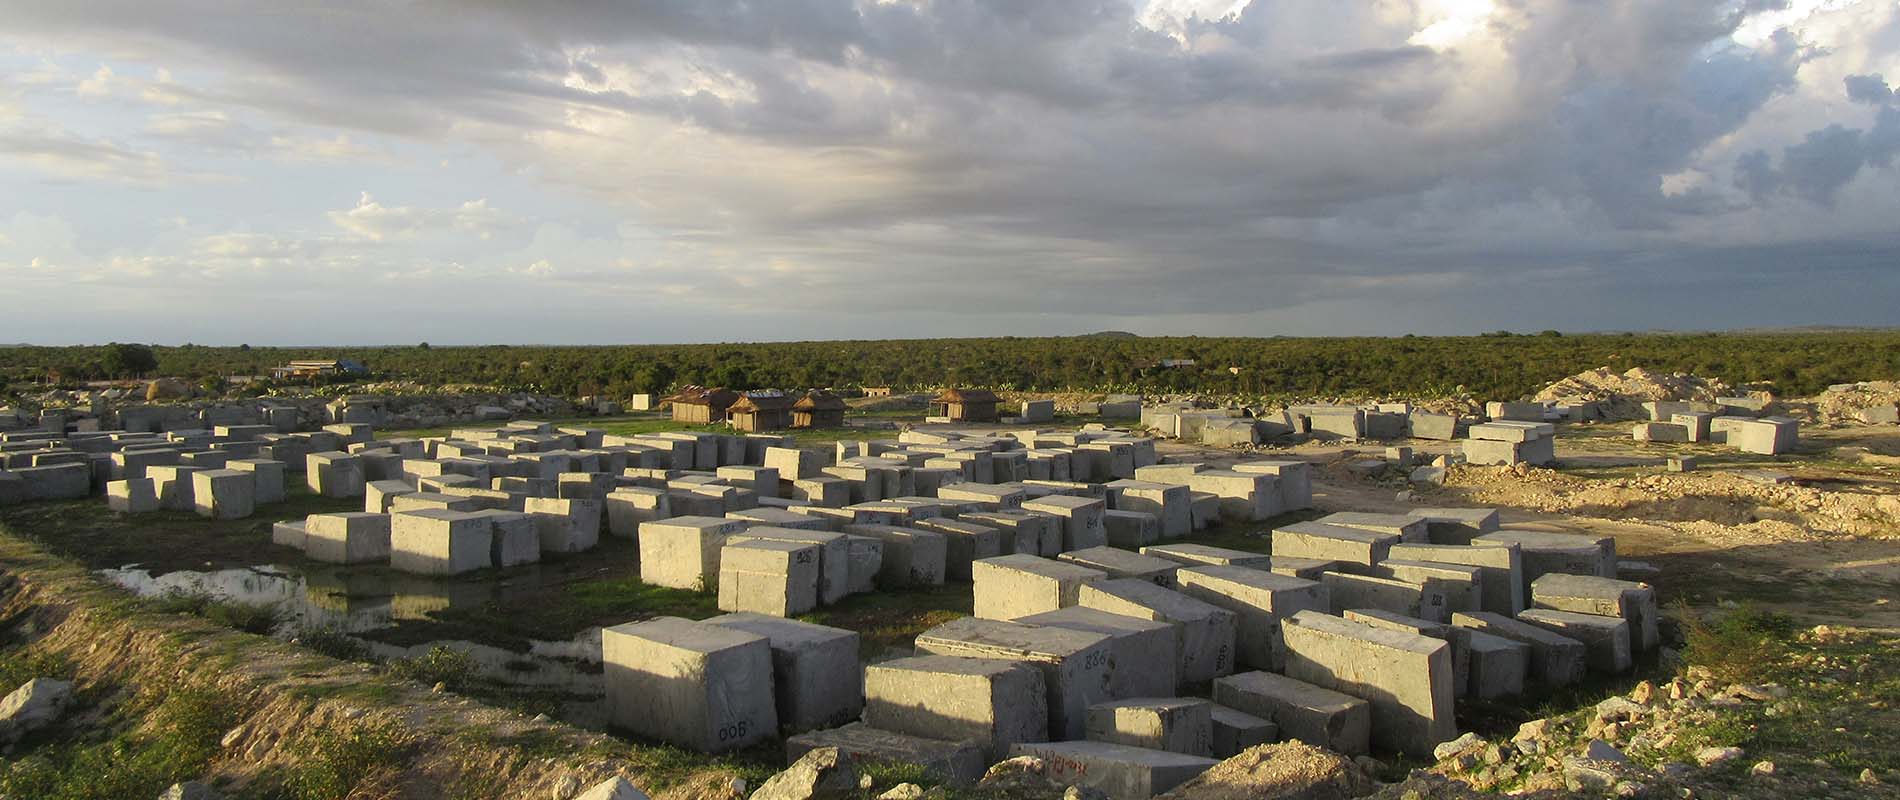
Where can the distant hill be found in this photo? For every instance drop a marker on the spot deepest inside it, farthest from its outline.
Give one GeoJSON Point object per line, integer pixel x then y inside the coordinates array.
{"type": "Point", "coordinates": [1111, 335]}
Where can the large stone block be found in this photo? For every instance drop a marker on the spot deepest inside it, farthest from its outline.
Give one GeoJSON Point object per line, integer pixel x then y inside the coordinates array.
{"type": "Point", "coordinates": [440, 542]}
{"type": "Point", "coordinates": [1354, 549]}
{"type": "Point", "coordinates": [1498, 667]}
{"type": "Point", "coordinates": [1076, 665]}
{"type": "Point", "coordinates": [699, 686]}
{"type": "Point", "coordinates": [964, 543]}
{"type": "Point", "coordinates": [816, 677]}
{"type": "Point", "coordinates": [1082, 524]}
{"type": "Point", "coordinates": [1201, 555]}
{"type": "Point", "coordinates": [959, 763]}
{"type": "Point", "coordinates": [1407, 527]}
{"type": "Point", "coordinates": [352, 537]}
{"type": "Point", "coordinates": [1119, 771]}
{"type": "Point", "coordinates": [1606, 640]}
{"type": "Point", "coordinates": [1247, 496]}
{"type": "Point", "coordinates": [768, 576]}
{"type": "Point", "coordinates": [513, 537]}
{"type": "Point", "coordinates": [172, 484]}
{"type": "Point", "coordinates": [1131, 530]}
{"type": "Point", "coordinates": [1295, 480]}
{"type": "Point", "coordinates": [988, 497]}
{"type": "Point", "coordinates": [1171, 504]}
{"type": "Point", "coordinates": [1501, 583]}
{"type": "Point", "coordinates": [223, 493]}
{"type": "Point", "coordinates": [834, 556]}
{"type": "Point", "coordinates": [1429, 599]}
{"type": "Point", "coordinates": [1555, 660]}
{"type": "Point", "coordinates": [334, 474]}
{"type": "Point", "coordinates": [1119, 563]}
{"type": "Point", "coordinates": [866, 554]}
{"type": "Point", "coordinates": [1463, 584]}
{"type": "Point", "coordinates": [911, 557]}
{"type": "Point", "coordinates": [1019, 585]}
{"type": "Point", "coordinates": [683, 552]}
{"type": "Point", "coordinates": [1634, 602]}
{"type": "Point", "coordinates": [1177, 725]}
{"type": "Point", "coordinates": [1259, 600]}
{"type": "Point", "coordinates": [1205, 633]}
{"type": "Point", "coordinates": [1312, 714]}
{"type": "Point", "coordinates": [1407, 678]}
{"type": "Point", "coordinates": [1234, 730]}
{"type": "Point", "coordinates": [565, 525]}
{"type": "Point", "coordinates": [132, 496]}
{"type": "Point", "coordinates": [1456, 525]}
{"type": "Point", "coordinates": [629, 507]}
{"type": "Point", "coordinates": [994, 702]}
{"type": "Point", "coordinates": [267, 478]}
{"type": "Point", "coordinates": [1426, 425]}
{"type": "Point", "coordinates": [1143, 652]}
{"type": "Point", "coordinates": [1542, 553]}
{"type": "Point", "coordinates": [1025, 532]}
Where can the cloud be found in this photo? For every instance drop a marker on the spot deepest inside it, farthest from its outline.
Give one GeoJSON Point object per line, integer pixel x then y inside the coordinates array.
{"type": "Point", "coordinates": [376, 222]}
{"type": "Point", "coordinates": [1871, 89]}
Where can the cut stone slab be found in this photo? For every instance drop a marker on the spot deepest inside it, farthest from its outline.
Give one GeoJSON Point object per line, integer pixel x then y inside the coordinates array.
{"type": "Point", "coordinates": [1174, 724]}
{"type": "Point", "coordinates": [1143, 652]}
{"type": "Point", "coordinates": [834, 556]}
{"type": "Point", "coordinates": [351, 537]}
{"type": "Point", "coordinates": [1119, 563]}
{"type": "Point", "coordinates": [1205, 632]}
{"type": "Point", "coordinates": [1024, 532]}
{"type": "Point", "coordinates": [1235, 730]}
{"type": "Point", "coordinates": [1082, 524]}
{"type": "Point", "coordinates": [912, 557]}
{"type": "Point", "coordinates": [1408, 527]}
{"type": "Point", "coordinates": [964, 543]}
{"type": "Point", "coordinates": [1442, 631]}
{"type": "Point", "coordinates": [1426, 600]}
{"type": "Point", "coordinates": [629, 507]}
{"type": "Point", "coordinates": [1606, 640]}
{"type": "Point", "coordinates": [289, 533]}
{"type": "Point", "coordinates": [1076, 665]}
{"type": "Point", "coordinates": [1196, 555]}
{"type": "Point", "coordinates": [867, 561]}
{"type": "Point", "coordinates": [1258, 600]}
{"type": "Point", "coordinates": [1634, 602]}
{"type": "Point", "coordinates": [440, 542]}
{"type": "Point", "coordinates": [1407, 678]}
{"type": "Point", "coordinates": [1131, 530]}
{"type": "Point", "coordinates": [132, 496]}
{"type": "Point", "coordinates": [1498, 667]}
{"type": "Point", "coordinates": [959, 763]}
{"type": "Point", "coordinates": [513, 539]}
{"type": "Point", "coordinates": [566, 525]}
{"type": "Point", "coordinates": [994, 702]}
{"type": "Point", "coordinates": [1501, 584]}
{"type": "Point", "coordinates": [706, 688]}
{"type": "Point", "coordinates": [1295, 480]}
{"type": "Point", "coordinates": [768, 576]}
{"type": "Point", "coordinates": [1542, 553]}
{"type": "Point", "coordinates": [1556, 660]}
{"type": "Point", "coordinates": [1169, 503]}
{"type": "Point", "coordinates": [816, 677]}
{"type": "Point", "coordinates": [1355, 549]}
{"type": "Point", "coordinates": [683, 552]}
{"type": "Point", "coordinates": [224, 493]}
{"type": "Point", "coordinates": [1312, 714]}
{"type": "Point", "coordinates": [1463, 584]}
{"type": "Point", "coordinates": [267, 477]}
{"type": "Point", "coordinates": [1117, 770]}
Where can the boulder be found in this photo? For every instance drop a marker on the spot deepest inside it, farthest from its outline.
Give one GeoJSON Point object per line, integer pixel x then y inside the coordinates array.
{"type": "Point", "coordinates": [1282, 771]}
{"type": "Point", "coordinates": [33, 706]}
{"type": "Point", "coordinates": [615, 788]}
{"type": "Point", "coordinates": [821, 774]}
{"type": "Point", "coordinates": [190, 790]}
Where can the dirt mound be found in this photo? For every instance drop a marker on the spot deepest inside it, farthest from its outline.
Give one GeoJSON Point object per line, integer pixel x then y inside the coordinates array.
{"type": "Point", "coordinates": [1623, 394]}
{"type": "Point", "coordinates": [1283, 771]}
{"type": "Point", "coordinates": [1843, 407]}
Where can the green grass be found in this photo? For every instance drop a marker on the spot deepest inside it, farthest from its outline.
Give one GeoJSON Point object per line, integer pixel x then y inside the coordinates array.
{"type": "Point", "coordinates": [88, 532]}
{"type": "Point", "coordinates": [337, 762]}
{"type": "Point", "coordinates": [452, 668]}
{"type": "Point", "coordinates": [246, 617]}
{"type": "Point", "coordinates": [178, 738]}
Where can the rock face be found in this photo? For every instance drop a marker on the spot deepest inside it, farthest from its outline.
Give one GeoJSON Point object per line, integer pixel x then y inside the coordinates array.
{"type": "Point", "coordinates": [822, 774]}
{"type": "Point", "coordinates": [1282, 771]}
{"type": "Point", "coordinates": [32, 707]}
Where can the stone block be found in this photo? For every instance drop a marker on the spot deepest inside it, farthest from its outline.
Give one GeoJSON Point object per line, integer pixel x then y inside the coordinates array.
{"type": "Point", "coordinates": [816, 677]}
{"type": "Point", "coordinates": [1131, 530]}
{"type": "Point", "coordinates": [1082, 523]}
{"type": "Point", "coordinates": [1118, 771]}
{"type": "Point", "coordinates": [957, 763]}
{"type": "Point", "coordinates": [1201, 555]}
{"type": "Point", "coordinates": [1143, 652]}
{"type": "Point", "coordinates": [1497, 667]}
{"type": "Point", "coordinates": [630, 507]}
{"type": "Point", "coordinates": [565, 525]}
{"type": "Point", "coordinates": [1234, 730]}
{"type": "Point", "coordinates": [173, 485]}
{"type": "Point", "coordinates": [267, 478]}
{"type": "Point", "coordinates": [1456, 525]}
{"type": "Point", "coordinates": [1634, 602]}
{"type": "Point", "coordinates": [440, 542]}
{"type": "Point", "coordinates": [1519, 412]}
{"type": "Point", "coordinates": [683, 552]}
{"type": "Point", "coordinates": [1205, 633]}
{"type": "Point", "coordinates": [1489, 452]}
{"type": "Point", "coordinates": [351, 537]}
{"type": "Point", "coordinates": [702, 687]}
{"type": "Point", "coordinates": [989, 497]}
{"type": "Point", "coordinates": [1555, 660]}
{"type": "Point", "coordinates": [1606, 640]}
{"type": "Point", "coordinates": [513, 537]}
{"type": "Point", "coordinates": [1355, 549]}
{"type": "Point", "coordinates": [1008, 587]}
{"type": "Point", "coordinates": [1542, 553]}
{"type": "Point", "coordinates": [334, 474]}
{"type": "Point", "coordinates": [964, 543]}
{"type": "Point", "coordinates": [1312, 714]}
{"type": "Point", "coordinates": [1463, 584]}
{"type": "Point", "coordinates": [994, 702]}
{"type": "Point", "coordinates": [132, 496]}
{"type": "Point", "coordinates": [834, 556]}
{"type": "Point", "coordinates": [289, 533]}
{"type": "Point", "coordinates": [1660, 432]}
{"type": "Point", "coordinates": [768, 576]}
{"type": "Point", "coordinates": [1501, 584]}
{"type": "Point", "coordinates": [1076, 665]}
{"type": "Point", "coordinates": [223, 493]}
{"type": "Point", "coordinates": [1427, 600]}
{"type": "Point", "coordinates": [1119, 563]}
{"type": "Point", "coordinates": [1024, 532]}
{"type": "Point", "coordinates": [1246, 496]}
{"type": "Point", "coordinates": [1407, 527]}
{"type": "Point", "coordinates": [1436, 427]}
{"type": "Point", "coordinates": [866, 555]}
{"type": "Point", "coordinates": [1171, 504]}
{"type": "Point", "coordinates": [912, 557]}
{"type": "Point", "coordinates": [1406, 678]}
{"type": "Point", "coordinates": [1258, 600]}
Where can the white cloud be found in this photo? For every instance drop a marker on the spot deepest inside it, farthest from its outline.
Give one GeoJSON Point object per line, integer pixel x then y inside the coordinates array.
{"type": "Point", "coordinates": [376, 222]}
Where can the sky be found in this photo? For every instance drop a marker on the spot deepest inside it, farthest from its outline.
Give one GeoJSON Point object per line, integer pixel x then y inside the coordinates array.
{"type": "Point", "coordinates": [596, 172]}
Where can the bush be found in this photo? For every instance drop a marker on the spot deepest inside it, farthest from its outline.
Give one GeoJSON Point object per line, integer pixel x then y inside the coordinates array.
{"type": "Point", "coordinates": [450, 667]}
{"type": "Point", "coordinates": [333, 643]}
{"type": "Point", "coordinates": [336, 762]}
{"type": "Point", "coordinates": [1742, 646]}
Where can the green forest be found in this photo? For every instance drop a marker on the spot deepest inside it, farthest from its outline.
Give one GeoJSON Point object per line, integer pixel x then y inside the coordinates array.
{"type": "Point", "coordinates": [1490, 366]}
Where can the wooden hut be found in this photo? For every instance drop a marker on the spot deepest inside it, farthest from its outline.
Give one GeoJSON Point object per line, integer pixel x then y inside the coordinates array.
{"type": "Point", "coordinates": [758, 412]}
{"type": "Point", "coordinates": [698, 405]}
{"type": "Point", "coordinates": [819, 409]}
{"type": "Point", "coordinates": [967, 405]}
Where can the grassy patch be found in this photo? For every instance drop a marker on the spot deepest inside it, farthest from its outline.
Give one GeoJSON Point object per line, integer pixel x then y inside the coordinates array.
{"type": "Point", "coordinates": [452, 668]}
{"type": "Point", "coordinates": [259, 619]}
{"type": "Point", "coordinates": [88, 532]}
{"type": "Point", "coordinates": [336, 763]}
{"type": "Point", "coordinates": [175, 741]}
